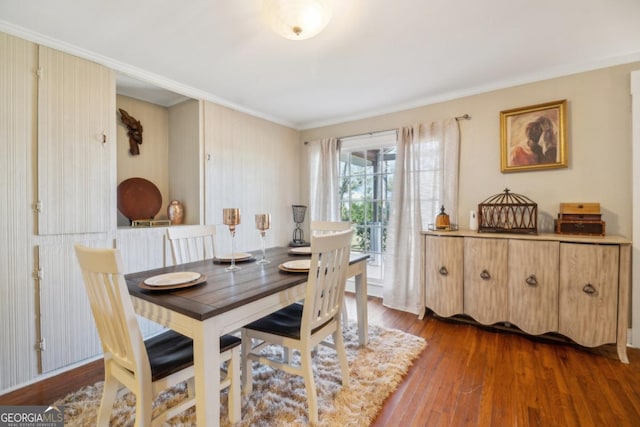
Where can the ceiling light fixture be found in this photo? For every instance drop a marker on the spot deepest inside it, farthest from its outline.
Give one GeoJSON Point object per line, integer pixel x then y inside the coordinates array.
{"type": "Point", "coordinates": [297, 19]}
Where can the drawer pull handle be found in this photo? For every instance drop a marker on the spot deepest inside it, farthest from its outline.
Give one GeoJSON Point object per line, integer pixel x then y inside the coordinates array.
{"type": "Point", "coordinates": [589, 289]}
{"type": "Point", "coordinates": [485, 275]}
{"type": "Point", "coordinates": [443, 270]}
{"type": "Point", "coordinates": [532, 280]}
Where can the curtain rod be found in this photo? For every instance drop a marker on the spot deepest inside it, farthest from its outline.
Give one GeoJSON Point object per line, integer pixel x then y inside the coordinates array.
{"type": "Point", "coordinates": [458, 118]}
{"type": "Point", "coordinates": [364, 133]}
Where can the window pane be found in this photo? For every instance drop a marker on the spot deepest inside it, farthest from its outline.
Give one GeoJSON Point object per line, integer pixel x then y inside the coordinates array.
{"type": "Point", "coordinates": [358, 212]}
{"type": "Point", "coordinates": [358, 162]}
{"type": "Point", "coordinates": [366, 183]}
{"type": "Point", "coordinates": [356, 188]}
{"type": "Point", "coordinates": [345, 212]}
{"type": "Point", "coordinates": [360, 241]}
{"type": "Point", "coordinates": [370, 162]}
{"type": "Point", "coordinates": [388, 187]}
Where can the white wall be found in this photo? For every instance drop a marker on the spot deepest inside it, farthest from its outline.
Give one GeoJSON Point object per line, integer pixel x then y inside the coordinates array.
{"type": "Point", "coordinates": [254, 165]}
{"type": "Point", "coordinates": [185, 166]}
{"type": "Point", "coordinates": [635, 254]}
{"type": "Point", "coordinates": [599, 144]}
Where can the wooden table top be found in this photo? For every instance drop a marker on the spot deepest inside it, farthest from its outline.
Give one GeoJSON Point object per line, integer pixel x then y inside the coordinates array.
{"type": "Point", "coordinates": [223, 290]}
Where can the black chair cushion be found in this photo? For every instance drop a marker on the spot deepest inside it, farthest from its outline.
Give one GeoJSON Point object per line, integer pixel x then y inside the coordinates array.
{"type": "Point", "coordinates": [285, 322]}
{"type": "Point", "coordinates": [227, 342]}
{"type": "Point", "coordinates": [171, 352]}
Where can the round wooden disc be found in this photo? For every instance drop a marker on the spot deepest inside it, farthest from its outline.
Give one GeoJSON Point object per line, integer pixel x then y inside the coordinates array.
{"type": "Point", "coordinates": [139, 198]}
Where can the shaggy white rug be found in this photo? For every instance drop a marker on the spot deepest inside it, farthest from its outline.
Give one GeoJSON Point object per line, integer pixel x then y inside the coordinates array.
{"type": "Point", "coordinates": [278, 398]}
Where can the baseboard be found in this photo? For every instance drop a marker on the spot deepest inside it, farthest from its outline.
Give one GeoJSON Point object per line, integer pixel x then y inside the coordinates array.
{"type": "Point", "coordinates": [51, 374]}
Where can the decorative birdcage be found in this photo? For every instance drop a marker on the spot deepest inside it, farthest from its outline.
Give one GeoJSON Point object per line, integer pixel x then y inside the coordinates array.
{"type": "Point", "coordinates": [508, 213]}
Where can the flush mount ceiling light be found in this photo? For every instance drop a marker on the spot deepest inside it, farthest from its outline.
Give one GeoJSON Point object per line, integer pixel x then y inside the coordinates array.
{"type": "Point", "coordinates": [297, 19]}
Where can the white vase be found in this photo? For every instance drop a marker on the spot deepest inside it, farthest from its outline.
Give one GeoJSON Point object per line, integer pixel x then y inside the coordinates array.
{"type": "Point", "coordinates": [473, 220]}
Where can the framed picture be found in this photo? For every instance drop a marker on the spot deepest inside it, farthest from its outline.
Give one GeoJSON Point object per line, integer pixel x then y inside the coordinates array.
{"type": "Point", "coordinates": [534, 137]}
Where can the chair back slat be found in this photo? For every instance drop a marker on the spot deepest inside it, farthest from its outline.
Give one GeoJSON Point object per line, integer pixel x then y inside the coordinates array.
{"type": "Point", "coordinates": [327, 277]}
{"type": "Point", "coordinates": [112, 307]}
{"type": "Point", "coordinates": [319, 228]}
{"type": "Point", "coordinates": [192, 243]}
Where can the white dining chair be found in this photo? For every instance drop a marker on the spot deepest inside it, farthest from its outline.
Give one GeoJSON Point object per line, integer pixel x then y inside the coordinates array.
{"type": "Point", "coordinates": [319, 228]}
{"type": "Point", "coordinates": [304, 326]}
{"type": "Point", "coordinates": [145, 367]}
{"type": "Point", "coordinates": [192, 243]}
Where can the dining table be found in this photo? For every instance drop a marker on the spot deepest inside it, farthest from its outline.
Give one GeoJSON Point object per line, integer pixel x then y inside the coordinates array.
{"type": "Point", "coordinates": [224, 303]}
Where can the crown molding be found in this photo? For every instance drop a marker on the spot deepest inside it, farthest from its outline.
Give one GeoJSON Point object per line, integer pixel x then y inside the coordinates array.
{"type": "Point", "coordinates": [542, 75]}
{"type": "Point", "coordinates": [135, 72]}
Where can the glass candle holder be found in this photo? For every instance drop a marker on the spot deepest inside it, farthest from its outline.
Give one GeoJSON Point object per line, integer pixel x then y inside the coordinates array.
{"type": "Point", "coordinates": [263, 222]}
{"type": "Point", "coordinates": [231, 218]}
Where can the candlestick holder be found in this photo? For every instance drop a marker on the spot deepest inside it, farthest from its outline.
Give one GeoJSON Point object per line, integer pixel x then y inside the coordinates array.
{"type": "Point", "coordinates": [231, 218]}
{"type": "Point", "coordinates": [298, 218]}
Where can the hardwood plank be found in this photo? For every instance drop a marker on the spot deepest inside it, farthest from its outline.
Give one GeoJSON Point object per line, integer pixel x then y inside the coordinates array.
{"type": "Point", "coordinates": [49, 390]}
{"type": "Point", "coordinates": [470, 375]}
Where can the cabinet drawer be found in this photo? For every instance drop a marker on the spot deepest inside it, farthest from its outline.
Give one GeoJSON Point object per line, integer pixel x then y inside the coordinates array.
{"type": "Point", "coordinates": [485, 279]}
{"type": "Point", "coordinates": [533, 285]}
{"type": "Point", "coordinates": [588, 293]}
{"type": "Point", "coordinates": [443, 274]}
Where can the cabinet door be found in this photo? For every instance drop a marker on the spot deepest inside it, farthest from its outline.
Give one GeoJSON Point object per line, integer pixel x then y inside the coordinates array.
{"type": "Point", "coordinates": [18, 60]}
{"type": "Point", "coordinates": [76, 117]}
{"type": "Point", "coordinates": [589, 293]}
{"type": "Point", "coordinates": [533, 285]}
{"type": "Point", "coordinates": [67, 328]}
{"type": "Point", "coordinates": [443, 274]}
{"type": "Point", "coordinates": [485, 279]}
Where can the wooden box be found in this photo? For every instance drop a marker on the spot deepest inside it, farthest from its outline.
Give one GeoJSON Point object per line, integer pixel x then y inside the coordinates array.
{"type": "Point", "coordinates": [587, 228]}
{"type": "Point", "coordinates": [579, 208]}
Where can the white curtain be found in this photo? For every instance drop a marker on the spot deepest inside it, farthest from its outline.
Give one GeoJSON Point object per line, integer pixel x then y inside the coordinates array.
{"type": "Point", "coordinates": [324, 158]}
{"type": "Point", "coordinates": [426, 178]}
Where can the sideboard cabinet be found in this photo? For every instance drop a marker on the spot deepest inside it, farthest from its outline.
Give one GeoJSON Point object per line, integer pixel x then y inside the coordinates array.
{"type": "Point", "coordinates": [576, 286]}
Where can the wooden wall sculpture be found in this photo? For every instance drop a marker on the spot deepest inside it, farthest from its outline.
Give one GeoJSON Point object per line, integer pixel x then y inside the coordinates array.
{"type": "Point", "coordinates": [134, 131]}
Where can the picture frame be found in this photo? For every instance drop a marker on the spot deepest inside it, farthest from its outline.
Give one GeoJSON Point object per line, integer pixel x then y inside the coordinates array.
{"type": "Point", "coordinates": [534, 137]}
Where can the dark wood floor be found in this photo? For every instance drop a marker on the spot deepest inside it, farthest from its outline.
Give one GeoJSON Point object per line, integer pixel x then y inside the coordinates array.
{"type": "Point", "coordinates": [471, 376]}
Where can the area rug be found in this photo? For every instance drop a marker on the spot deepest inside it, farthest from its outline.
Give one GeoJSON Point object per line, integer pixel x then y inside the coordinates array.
{"type": "Point", "coordinates": [278, 398]}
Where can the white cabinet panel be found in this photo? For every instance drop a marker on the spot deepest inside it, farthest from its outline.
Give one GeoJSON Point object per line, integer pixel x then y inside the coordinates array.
{"type": "Point", "coordinates": [143, 249]}
{"type": "Point", "coordinates": [66, 322]}
{"type": "Point", "coordinates": [76, 118]}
